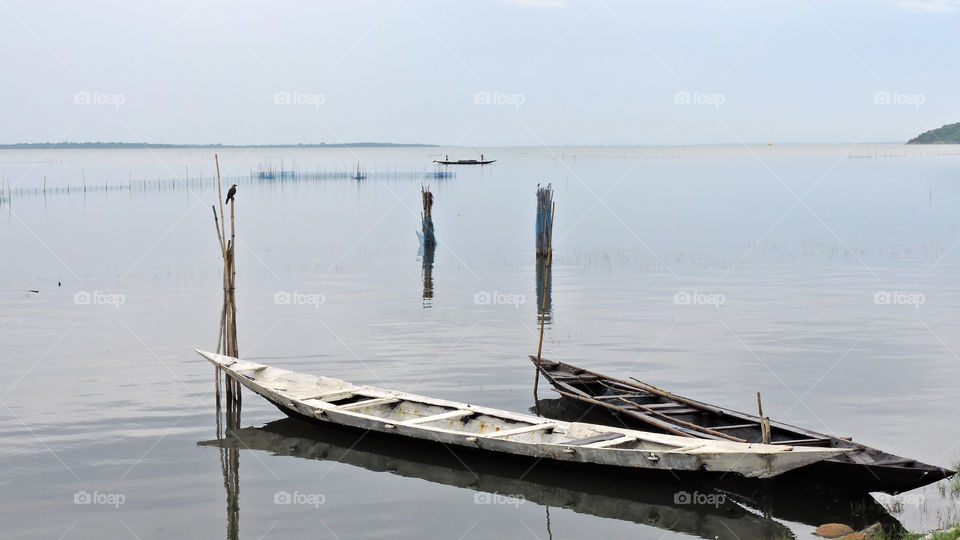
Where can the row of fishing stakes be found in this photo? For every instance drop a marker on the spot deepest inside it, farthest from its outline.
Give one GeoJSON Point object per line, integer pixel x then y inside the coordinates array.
{"type": "Point", "coordinates": [227, 338]}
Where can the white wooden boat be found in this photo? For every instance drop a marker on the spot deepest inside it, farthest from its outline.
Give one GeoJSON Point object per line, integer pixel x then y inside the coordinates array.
{"type": "Point", "coordinates": [390, 412]}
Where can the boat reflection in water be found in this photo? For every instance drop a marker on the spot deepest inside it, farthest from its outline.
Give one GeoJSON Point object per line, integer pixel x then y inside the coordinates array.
{"type": "Point", "coordinates": [716, 513]}
{"type": "Point", "coordinates": [790, 500]}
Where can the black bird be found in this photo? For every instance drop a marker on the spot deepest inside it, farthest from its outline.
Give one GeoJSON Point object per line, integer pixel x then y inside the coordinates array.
{"type": "Point", "coordinates": [231, 193]}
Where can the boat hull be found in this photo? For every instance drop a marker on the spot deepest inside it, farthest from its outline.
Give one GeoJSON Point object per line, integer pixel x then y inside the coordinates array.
{"type": "Point", "coordinates": [377, 410]}
{"type": "Point", "coordinates": [862, 469]}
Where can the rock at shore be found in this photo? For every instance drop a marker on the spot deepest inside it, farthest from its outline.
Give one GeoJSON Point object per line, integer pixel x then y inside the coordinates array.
{"type": "Point", "coordinates": [833, 530]}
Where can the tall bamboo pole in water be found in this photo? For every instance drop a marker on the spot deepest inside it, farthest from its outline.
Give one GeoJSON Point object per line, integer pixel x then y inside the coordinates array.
{"type": "Point", "coordinates": [227, 337]}
{"type": "Point", "coordinates": [543, 307]}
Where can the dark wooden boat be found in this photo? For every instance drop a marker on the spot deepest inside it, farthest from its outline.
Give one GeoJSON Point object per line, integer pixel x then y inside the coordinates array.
{"type": "Point", "coordinates": [464, 161]}
{"type": "Point", "coordinates": [635, 403]}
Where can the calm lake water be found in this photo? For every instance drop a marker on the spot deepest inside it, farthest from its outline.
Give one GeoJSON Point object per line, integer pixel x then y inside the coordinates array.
{"type": "Point", "coordinates": [824, 277]}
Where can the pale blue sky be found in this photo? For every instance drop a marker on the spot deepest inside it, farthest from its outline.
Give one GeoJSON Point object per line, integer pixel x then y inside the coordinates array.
{"type": "Point", "coordinates": [555, 72]}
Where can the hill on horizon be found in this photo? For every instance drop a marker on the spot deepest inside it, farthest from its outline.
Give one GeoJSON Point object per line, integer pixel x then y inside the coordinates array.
{"type": "Point", "coordinates": [946, 134]}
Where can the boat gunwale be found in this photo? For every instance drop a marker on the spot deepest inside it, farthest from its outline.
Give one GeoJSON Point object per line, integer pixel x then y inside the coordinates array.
{"type": "Point", "coordinates": [877, 456]}
{"type": "Point", "coordinates": [714, 448]}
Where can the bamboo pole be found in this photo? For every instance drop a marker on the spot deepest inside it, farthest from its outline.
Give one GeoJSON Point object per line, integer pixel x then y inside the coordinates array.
{"type": "Point", "coordinates": [553, 215]}
{"type": "Point", "coordinates": [543, 306]}
{"type": "Point", "coordinates": [764, 422]}
{"type": "Point", "coordinates": [227, 337]}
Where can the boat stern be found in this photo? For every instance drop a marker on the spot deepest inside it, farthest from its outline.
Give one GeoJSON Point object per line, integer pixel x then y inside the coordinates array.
{"type": "Point", "coordinates": [216, 359]}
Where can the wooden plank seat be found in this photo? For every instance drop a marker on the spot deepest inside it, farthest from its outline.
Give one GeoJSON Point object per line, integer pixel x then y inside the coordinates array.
{"type": "Point", "coordinates": [519, 430]}
{"type": "Point", "coordinates": [442, 416]}
{"type": "Point", "coordinates": [611, 442]}
{"type": "Point", "coordinates": [369, 402]}
{"type": "Point", "coordinates": [659, 406]}
{"type": "Point", "coordinates": [595, 439]}
{"type": "Point", "coordinates": [734, 426]}
{"type": "Point", "coordinates": [627, 396]}
{"type": "Point", "coordinates": [811, 442]}
{"type": "Point", "coordinates": [683, 410]}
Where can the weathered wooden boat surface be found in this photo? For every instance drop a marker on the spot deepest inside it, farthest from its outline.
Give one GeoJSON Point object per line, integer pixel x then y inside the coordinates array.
{"type": "Point", "coordinates": [634, 403]}
{"type": "Point", "coordinates": [464, 161]}
{"type": "Point", "coordinates": [714, 515]}
{"type": "Point", "coordinates": [329, 400]}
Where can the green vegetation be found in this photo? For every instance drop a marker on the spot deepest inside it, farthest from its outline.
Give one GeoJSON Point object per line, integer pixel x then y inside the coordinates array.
{"type": "Point", "coordinates": [951, 534]}
{"type": "Point", "coordinates": [948, 134]}
{"type": "Point", "coordinates": [84, 145]}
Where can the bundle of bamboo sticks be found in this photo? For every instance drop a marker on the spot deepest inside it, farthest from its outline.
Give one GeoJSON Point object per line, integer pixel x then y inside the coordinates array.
{"type": "Point", "coordinates": [545, 209]}
{"type": "Point", "coordinates": [427, 237]}
{"type": "Point", "coordinates": [227, 338]}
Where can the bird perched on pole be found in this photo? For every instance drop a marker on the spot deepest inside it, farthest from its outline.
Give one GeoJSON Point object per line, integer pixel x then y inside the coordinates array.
{"type": "Point", "coordinates": [232, 191]}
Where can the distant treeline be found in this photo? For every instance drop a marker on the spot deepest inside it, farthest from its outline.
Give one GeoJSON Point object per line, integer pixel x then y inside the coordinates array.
{"type": "Point", "coordinates": [948, 134]}
{"type": "Point", "coordinates": [27, 146]}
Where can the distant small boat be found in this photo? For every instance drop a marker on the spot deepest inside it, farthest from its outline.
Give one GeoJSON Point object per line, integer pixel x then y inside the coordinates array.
{"type": "Point", "coordinates": [360, 174]}
{"type": "Point", "coordinates": [636, 403]}
{"type": "Point", "coordinates": [332, 401]}
{"type": "Point", "coordinates": [464, 161]}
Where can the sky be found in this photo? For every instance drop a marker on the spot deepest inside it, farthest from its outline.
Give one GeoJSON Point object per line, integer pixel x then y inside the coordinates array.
{"type": "Point", "coordinates": [480, 73]}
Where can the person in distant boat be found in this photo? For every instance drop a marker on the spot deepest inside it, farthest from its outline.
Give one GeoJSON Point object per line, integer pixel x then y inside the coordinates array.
{"type": "Point", "coordinates": [231, 193]}
{"type": "Point", "coordinates": [481, 157]}
{"type": "Point", "coordinates": [446, 157]}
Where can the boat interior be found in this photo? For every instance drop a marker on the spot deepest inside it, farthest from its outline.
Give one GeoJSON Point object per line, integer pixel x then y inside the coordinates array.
{"type": "Point", "coordinates": [688, 415]}
{"type": "Point", "coordinates": [399, 409]}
